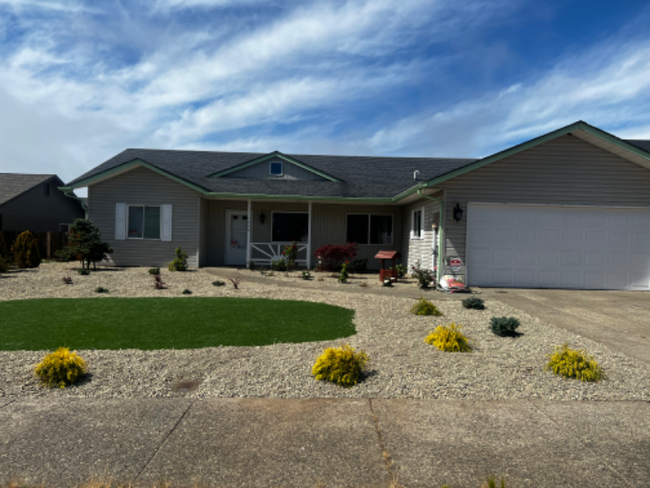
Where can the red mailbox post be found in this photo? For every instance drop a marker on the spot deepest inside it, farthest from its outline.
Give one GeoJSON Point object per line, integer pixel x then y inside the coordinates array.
{"type": "Point", "coordinates": [387, 273]}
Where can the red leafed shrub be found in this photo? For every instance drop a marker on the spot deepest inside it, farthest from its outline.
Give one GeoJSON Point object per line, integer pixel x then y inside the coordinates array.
{"type": "Point", "coordinates": [331, 257]}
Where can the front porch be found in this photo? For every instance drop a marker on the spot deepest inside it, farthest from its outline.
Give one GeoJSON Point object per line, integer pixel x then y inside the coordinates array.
{"type": "Point", "coordinates": [241, 232]}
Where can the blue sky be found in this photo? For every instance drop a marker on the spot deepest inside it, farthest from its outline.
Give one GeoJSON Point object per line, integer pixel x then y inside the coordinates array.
{"type": "Point", "coordinates": [81, 81]}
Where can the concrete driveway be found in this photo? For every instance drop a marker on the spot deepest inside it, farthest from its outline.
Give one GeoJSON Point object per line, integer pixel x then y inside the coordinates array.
{"type": "Point", "coordinates": [618, 319]}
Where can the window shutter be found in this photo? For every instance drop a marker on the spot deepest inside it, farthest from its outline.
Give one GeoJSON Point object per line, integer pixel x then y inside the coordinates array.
{"type": "Point", "coordinates": [120, 221]}
{"type": "Point", "coordinates": [166, 223]}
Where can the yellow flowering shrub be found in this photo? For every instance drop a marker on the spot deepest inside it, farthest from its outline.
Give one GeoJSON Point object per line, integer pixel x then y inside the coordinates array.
{"type": "Point", "coordinates": [449, 339]}
{"type": "Point", "coordinates": [425, 307]}
{"type": "Point", "coordinates": [572, 363]}
{"type": "Point", "coordinates": [60, 368]}
{"type": "Point", "coordinates": [341, 365]}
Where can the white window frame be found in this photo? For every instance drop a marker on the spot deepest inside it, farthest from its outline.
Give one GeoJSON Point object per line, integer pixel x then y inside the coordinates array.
{"type": "Point", "coordinates": [281, 173]}
{"type": "Point", "coordinates": [273, 212]}
{"type": "Point", "coordinates": [143, 238]}
{"type": "Point", "coordinates": [413, 212]}
{"type": "Point", "coordinates": [392, 221]}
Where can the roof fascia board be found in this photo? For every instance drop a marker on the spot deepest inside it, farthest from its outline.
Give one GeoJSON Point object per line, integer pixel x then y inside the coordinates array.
{"type": "Point", "coordinates": [130, 165]}
{"type": "Point", "coordinates": [580, 125]}
{"type": "Point", "coordinates": [612, 139]}
{"type": "Point", "coordinates": [505, 153]}
{"type": "Point", "coordinates": [275, 154]}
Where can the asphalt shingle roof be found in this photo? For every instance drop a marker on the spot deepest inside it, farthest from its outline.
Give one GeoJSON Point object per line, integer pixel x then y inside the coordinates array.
{"type": "Point", "coordinates": [645, 145]}
{"type": "Point", "coordinates": [361, 176]}
{"type": "Point", "coordinates": [12, 184]}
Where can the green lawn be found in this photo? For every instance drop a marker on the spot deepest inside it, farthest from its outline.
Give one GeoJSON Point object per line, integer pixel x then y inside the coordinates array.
{"type": "Point", "coordinates": [166, 323]}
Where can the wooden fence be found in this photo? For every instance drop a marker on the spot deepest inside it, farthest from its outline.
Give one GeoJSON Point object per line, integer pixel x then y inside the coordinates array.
{"type": "Point", "coordinates": [48, 242]}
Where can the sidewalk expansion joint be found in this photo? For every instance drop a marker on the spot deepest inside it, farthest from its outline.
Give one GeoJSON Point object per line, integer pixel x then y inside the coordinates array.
{"type": "Point", "coordinates": [392, 476]}
{"type": "Point", "coordinates": [603, 460]}
{"type": "Point", "coordinates": [180, 419]}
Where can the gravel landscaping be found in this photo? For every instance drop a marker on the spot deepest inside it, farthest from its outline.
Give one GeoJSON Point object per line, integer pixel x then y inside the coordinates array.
{"type": "Point", "coordinates": [402, 365]}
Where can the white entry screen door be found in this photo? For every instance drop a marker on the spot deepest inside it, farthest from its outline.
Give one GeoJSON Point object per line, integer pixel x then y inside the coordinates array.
{"type": "Point", "coordinates": [236, 237]}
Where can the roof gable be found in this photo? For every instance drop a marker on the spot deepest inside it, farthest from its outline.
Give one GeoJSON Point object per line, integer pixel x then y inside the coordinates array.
{"type": "Point", "coordinates": [271, 156]}
{"type": "Point", "coordinates": [580, 129]}
{"type": "Point", "coordinates": [13, 185]}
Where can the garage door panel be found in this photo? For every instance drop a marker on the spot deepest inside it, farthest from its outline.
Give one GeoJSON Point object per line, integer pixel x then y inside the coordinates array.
{"type": "Point", "coordinates": [525, 277]}
{"type": "Point", "coordinates": [558, 247]}
{"type": "Point", "coordinates": [547, 278]}
{"type": "Point", "coordinates": [594, 280]}
{"type": "Point", "coordinates": [571, 279]}
{"type": "Point", "coordinates": [526, 257]}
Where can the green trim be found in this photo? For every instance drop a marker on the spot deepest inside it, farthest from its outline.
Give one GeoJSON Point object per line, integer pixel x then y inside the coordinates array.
{"type": "Point", "coordinates": [580, 125]}
{"type": "Point", "coordinates": [68, 192]}
{"type": "Point", "coordinates": [441, 234]}
{"type": "Point", "coordinates": [274, 154]}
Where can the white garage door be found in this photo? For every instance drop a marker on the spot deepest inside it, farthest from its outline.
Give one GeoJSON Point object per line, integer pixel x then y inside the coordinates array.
{"type": "Point", "coordinates": [528, 246]}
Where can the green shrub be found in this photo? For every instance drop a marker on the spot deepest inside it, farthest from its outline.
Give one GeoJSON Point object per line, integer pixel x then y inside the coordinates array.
{"type": "Point", "coordinates": [279, 265]}
{"type": "Point", "coordinates": [306, 275]}
{"type": "Point", "coordinates": [491, 482]}
{"type": "Point", "coordinates": [401, 271]}
{"type": "Point", "coordinates": [425, 307]}
{"type": "Point", "coordinates": [449, 339]}
{"type": "Point", "coordinates": [572, 363]}
{"type": "Point", "coordinates": [343, 277]}
{"type": "Point", "coordinates": [101, 289]}
{"type": "Point", "coordinates": [154, 271]}
{"type": "Point", "coordinates": [60, 368]}
{"type": "Point", "coordinates": [85, 243]}
{"type": "Point", "coordinates": [341, 365]}
{"type": "Point", "coordinates": [504, 326]}
{"type": "Point", "coordinates": [423, 275]}
{"type": "Point", "coordinates": [474, 303]}
{"type": "Point", "coordinates": [180, 261]}
{"type": "Point", "coordinates": [187, 292]}
{"type": "Point", "coordinates": [218, 283]}
{"type": "Point", "coordinates": [83, 271]}
{"type": "Point", "coordinates": [25, 249]}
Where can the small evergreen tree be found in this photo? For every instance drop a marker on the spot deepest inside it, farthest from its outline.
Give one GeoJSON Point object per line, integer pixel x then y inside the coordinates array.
{"type": "Point", "coordinates": [180, 261]}
{"type": "Point", "coordinates": [85, 243]}
{"type": "Point", "coordinates": [25, 249]}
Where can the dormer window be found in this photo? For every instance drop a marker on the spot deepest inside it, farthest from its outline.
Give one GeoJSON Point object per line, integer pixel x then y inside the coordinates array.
{"type": "Point", "coordinates": [275, 168]}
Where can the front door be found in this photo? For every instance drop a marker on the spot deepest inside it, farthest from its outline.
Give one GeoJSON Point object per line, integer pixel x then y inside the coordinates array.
{"type": "Point", "coordinates": [236, 237]}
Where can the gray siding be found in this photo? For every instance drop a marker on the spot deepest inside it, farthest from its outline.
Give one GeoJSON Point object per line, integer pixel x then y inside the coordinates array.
{"type": "Point", "coordinates": [261, 171]}
{"type": "Point", "coordinates": [328, 226]}
{"type": "Point", "coordinates": [422, 249]}
{"type": "Point", "coordinates": [142, 186]}
{"type": "Point", "coordinates": [566, 170]}
{"type": "Point", "coordinates": [39, 213]}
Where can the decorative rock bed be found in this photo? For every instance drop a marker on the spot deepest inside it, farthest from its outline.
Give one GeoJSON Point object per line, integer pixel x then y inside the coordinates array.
{"type": "Point", "coordinates": [402, 365]}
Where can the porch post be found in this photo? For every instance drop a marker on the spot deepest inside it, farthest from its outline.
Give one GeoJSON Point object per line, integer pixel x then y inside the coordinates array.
{"type": "Point", "coordinates": [248, 236]}
{"type": "Point", "coordinates": [309, 237]}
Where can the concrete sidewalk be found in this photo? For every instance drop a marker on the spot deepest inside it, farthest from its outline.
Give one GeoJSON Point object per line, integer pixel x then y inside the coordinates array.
{"type": "Point", "coordinates": [331, 442]}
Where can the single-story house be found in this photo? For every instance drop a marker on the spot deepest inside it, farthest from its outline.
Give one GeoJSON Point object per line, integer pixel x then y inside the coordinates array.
{"type": "Point", "coordinates": [569, 209]}
{"type": "Point", "coordinates": [35, 203]}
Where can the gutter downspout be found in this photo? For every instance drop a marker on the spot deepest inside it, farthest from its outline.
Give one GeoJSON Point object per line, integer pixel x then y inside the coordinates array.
{"type": "Point", "coordinates": [68, 192]}
{"type": "Point", "coordinates": [441, 234]}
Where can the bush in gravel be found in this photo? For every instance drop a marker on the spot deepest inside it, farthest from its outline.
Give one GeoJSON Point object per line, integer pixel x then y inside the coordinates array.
{"type": "Point", "coordinates": [279, 265]}
{"type": "Point", "coordinates": [85, 243]}
{"type": "Point", "coordinates": [572, 363]}
{"type": "Point", "coordinates": [306, 275]}
{"type": "Point", "coordinates": [154, 271]}
{"type": "Point", "coordinates": [25, 249]}
{"type": "Point", "coordinates": [474, 303]}
{"type": "Point", "coordinates": [101, 289]}
{"type": "Point", "coordinates": [504, 326]}
{"type": "Point", "coordinates": [83, 271]}
{"type": "Point", "coordinates": [218, 283]}
{"type": "Point", "coordinates": [425, 307]}
{"type": "Point", "coordinates": [60, 368]}
{"type": "Point", "coordinates": [449, 339]}
{"type": "Point", "coordinates": [343, 277]}
{"type": "Point", "coordinates": [187, 292]}
{"type": "Point", "coordinates": [67, 280]}
{"type": "Point", "coordinates": [423, 275]}
{"type": "Point", "coordinates": [158, 283]}
{"type": "Point", "coordinates": [401, 271]}
{"type": "Point", "coordinates": [180, 261]}
{"type": "Point", "coordinates": [341, 365]}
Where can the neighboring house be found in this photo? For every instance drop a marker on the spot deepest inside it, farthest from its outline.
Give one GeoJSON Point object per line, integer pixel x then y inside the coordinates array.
{"type": "Point", "coordinates": [570, 209]}
{"type": "Point", "coordinates": [35, 203]}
